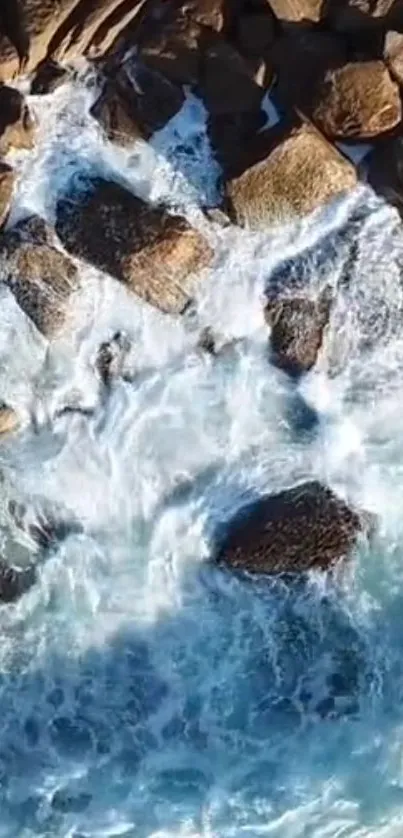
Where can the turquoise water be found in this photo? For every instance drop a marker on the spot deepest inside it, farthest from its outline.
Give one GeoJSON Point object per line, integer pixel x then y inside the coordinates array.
{"type": "Point", "coordinates": [144, 692]}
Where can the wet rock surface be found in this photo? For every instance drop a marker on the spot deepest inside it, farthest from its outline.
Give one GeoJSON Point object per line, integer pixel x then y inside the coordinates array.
{"type": "Point", "coordinates": [297, 326]}
{"type": "Point", "coordinates": [41, 277]}
{"type": "Point", "coordinates": [17, 127]}
{"type": "Point", "coordinates": [300, 173]}
{"type": "Point", "coordinates": [7, 181]}
{"type": "Point", "coordinates": [154, 253]}
{"type": "Point", "coordinates": [299, 529]}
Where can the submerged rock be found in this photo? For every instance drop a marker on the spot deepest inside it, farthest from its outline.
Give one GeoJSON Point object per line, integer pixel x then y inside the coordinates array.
{"type": "Point", "coordinates": [41, 277]}
{"type": "Point", "coordinates": [16, 124]}
{"type": "Point", "coordinates": [297, 327]}
{"type": "Point", "coordinates": [299, 529]}
{"type": "Point", "coordinates": [14, 582]}
{"type": "Point", "coordinates": [300, 172]}
{"type": "Point", "coordinates": [111, 357]}
{"type": "Point", "coordinates": [152, 252]}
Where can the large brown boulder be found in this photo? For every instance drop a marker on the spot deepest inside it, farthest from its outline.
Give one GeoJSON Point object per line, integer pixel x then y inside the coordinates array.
{"type": "Point", "coordinates": [385, 171]}
{"type": "Point", "coordinates": [7, 180]}
{"type": "Point", "coordinates": [17, 127]}
{"type": "Point", "coordinates": [299, 529]}
{"type": "Point", "coordinates": [357, 101]}
{"type": "Point", "coordinates": [172, 46]}
{"type": "Point", "coordinates": [154, 253]}
{"type": "Point", "coordinates": [393, 55]}
{"type": "Point", "coordinates": [300, 58]}
{"type": "Point", "coordinates": [298, 11]}
{"type": "Point", "coordinates": [41, 277]}
{"type": "Point", "coordinates": [136, 103]}
{"type": "Point", "coordinates": [300, 173]}
{"type": "Point", "coordinates": [33, 30]}
{"type": "Point", "coordinates": [297, 328]}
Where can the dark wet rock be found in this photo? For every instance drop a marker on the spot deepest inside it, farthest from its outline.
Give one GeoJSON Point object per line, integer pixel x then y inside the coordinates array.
{"type": "Point", "coordinates": [357, 101]}
{"type": "Point", "coordinates": [255, 33]}
{"type": "Point", "coordinates": [301, 57]}
{"type": "Point", "coordinates": [385, 171]}
{"type": "Point", "coordinates": [299, 173]}
{"type": "Point", "coordinates": [136, 103]}
{"type": "Point", "coordinates": [353, 16]}
{"type": "Point", "coordinates": [232, 137]}
{"type": "Point", "coordinates": [41, 277]}
{"type": "Point", "coordinates": [48, 77]}
{"type": "Point", "coordinates": [16, 124]}
{"type": "Point", "coordinates": [299, 529]}
{"type": "Point", "coordinates": [14, 582]}
{"type": "Point", "coordinates": [297, 327]}
{"type": "Point", "coordinates": [7, 180]}
{"type": "Point", "coordinates": [111, 357]}
{"type": "Point", "coordinates": [172, 47]}
{"type": "Point", "coordinates": [152, 252]}
{"type": "Point", "coordinates": [226, 84]}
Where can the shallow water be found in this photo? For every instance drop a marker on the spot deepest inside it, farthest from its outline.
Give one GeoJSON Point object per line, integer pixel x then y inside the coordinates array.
{"type": "Point", "coordinates": [144, 693]}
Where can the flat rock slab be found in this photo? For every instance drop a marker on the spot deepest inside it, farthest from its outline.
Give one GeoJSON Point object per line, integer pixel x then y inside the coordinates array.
{"type": "Point", "coordinates": [357, 101]}
{"type": "Point", "coordinates": [154, 253]}
{"type": "Point", "coordinates": [300, 173]}
{"type": "Point", "coordinates": [41, 277]}
{"type": "Point", "coordinates": [299, 529]}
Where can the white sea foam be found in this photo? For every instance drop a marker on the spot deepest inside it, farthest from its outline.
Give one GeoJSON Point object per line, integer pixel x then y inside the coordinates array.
{"type": "Point", "coordinates": [144, 693]}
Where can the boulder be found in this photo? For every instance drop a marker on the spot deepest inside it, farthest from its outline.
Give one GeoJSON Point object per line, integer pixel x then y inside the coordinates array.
{"type": "Point", "coordinates": [300, 173]}
{"type": "Point", "coordinates": [357, 101]}
{"type": "Point", "coordinates": [136, 104]}
{"type": "Point", "coordinates": [255, 36]}
{"type": "Point", "coordinates": [297, 327]}
{"type": "Point", "coordinates": [226, 84]}
{"type": "Point", "coordinates": [232, 137]}
{"type": "Point", "coordinates": [41, 277]}
{"type": "Point", "coordinates": [152, 252]}
{"type": "Point", "coordinates": [216, 14]}
{"type": "Point", "coordinates": [111, 358]}
{"type": "Point", "coordinates": [9, 420]}
{"type": "Point", "coordinates": [48, 77]}
{"type": "Point", "coordinates": [298, 11]}
{"type": "Point", "coordinates": [34, 30]}
{"type": "Point", "coordinates": [300, 58]}
{"type": "Point", "coordinates": [299, 529]}
{"type": "Point", "coordinates": [355, 15]}
{"type": "Point", "coordinates": [385, 171]}
{"type": "Point", "coordinates": [393, 55]}
{"type": "Point", "coordinates": [16, 124]}
{"type": "Point", "coordinates": [7, 180]}
{"type": "Point", "coordinates": [172, 46]}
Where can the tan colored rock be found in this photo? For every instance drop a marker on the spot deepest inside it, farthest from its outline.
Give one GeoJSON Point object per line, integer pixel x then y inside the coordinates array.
{"type": "Point", "coordinates": [298, 11]}
{"type": "Point", "coordinates": [300, 173]}
{"type": "Point", "coordinates": [136, 104]}
{"type": "Point", "coordinates": [299, 529]}
{"type": "Point", "coordinates": [36, 30]}
{"type": "Point", "coordinates": [9, 419]}
{"type": "Point", "coordinates": [85, 21]}
{"type": "Point", "coordinates": [41, 277]}
{"type": "Point", "coordinates": [7, 180]}
{"type": "Point", "coordinates": [393, 55]}
{"type": "Point", "coordinates": [357, 101]}
{"type": "Point", "coordinates": [17, 129]}
{"type": "Point", "coordinates": [155, 254]}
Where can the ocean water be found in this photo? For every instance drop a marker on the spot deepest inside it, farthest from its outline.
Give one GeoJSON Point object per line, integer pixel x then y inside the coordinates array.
{"type": "Point", "coordinates": [144, 692]}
